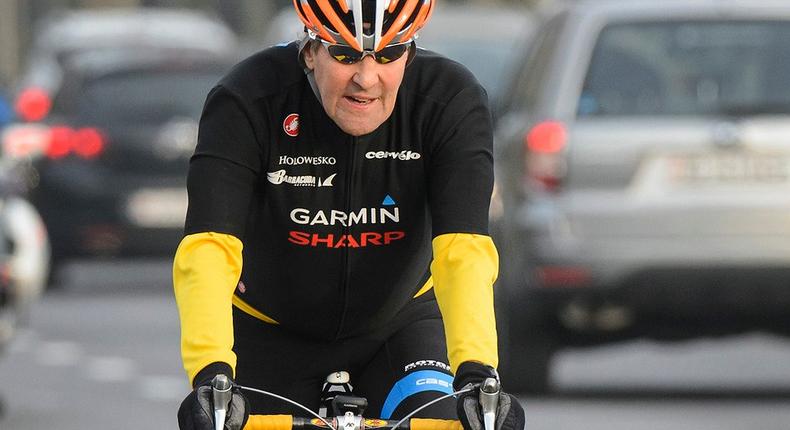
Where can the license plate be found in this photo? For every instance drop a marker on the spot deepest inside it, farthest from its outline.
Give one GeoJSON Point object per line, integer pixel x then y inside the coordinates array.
{"type": "Point", "coordinates": [730, 168]}
{"type": "Point", "coordinates": [157, 207]}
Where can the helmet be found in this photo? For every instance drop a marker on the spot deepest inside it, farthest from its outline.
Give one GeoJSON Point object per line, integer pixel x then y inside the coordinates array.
{"type": "Point", "coordinates": [385, 21]}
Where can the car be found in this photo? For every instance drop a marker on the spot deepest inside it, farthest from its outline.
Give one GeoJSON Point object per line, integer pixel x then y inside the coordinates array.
{"type": "Point", "coordinates": [644, 170]}
{"type": "Point", "coordinates": [111, 177]}
{"type": "Point", "coordinates": [65, 33]}
{"type": "Point", "coordinates": [480, 37]}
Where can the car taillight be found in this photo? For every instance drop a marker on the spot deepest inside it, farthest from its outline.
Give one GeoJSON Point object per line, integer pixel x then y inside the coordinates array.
{"type": "Point", "coordinates": [544, 163]}
{"type": "Point", "coordinates": [563, 276]}
{"type": "Point", "coordinates": [85, 142]}
{"type": "Point", "coordinates": [33, 104]}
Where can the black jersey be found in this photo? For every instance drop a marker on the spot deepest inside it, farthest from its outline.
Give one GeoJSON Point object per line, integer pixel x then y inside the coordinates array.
{"type": "Point", "coordinates": [337, 229]}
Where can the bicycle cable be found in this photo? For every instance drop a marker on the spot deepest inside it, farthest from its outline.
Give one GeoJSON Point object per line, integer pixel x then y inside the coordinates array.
{"type": "Point", "coordinates": [461, 391]}
{"type": "Point", "coordinates": [285, 399]}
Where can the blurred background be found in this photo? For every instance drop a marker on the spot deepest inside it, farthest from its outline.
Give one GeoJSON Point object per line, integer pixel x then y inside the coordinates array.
{"type": "Point", "coordinates": [641, 206]}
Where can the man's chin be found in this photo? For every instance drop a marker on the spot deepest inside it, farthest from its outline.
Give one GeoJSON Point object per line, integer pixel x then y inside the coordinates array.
{"type": "Point", "coordinates": [357, 129]}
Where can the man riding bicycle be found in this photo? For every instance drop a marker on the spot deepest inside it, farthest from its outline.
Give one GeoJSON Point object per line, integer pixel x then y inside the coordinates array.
{"type": "Point", "coordinates": [338, 220]}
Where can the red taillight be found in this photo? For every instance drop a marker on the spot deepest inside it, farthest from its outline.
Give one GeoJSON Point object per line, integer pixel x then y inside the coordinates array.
{"type": "Point", "coordinates": [547, 137]}
{"type": "Point", "coordinates": [563, 276]}
{"type": "Point", "coordinates": [33, 104]}
{"type": "Point", "coordinates": [545, 160]}
{"type": "Point", "coordinates": [59, 142]}
{"type": "Point", "coordinates": [87, 142]}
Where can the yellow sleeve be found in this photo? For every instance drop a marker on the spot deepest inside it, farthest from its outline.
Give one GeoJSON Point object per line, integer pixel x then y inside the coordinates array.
{"type": "Point", "coordinates": [464, 269]}
{"type": "Point", "coordinates": [206, 270]}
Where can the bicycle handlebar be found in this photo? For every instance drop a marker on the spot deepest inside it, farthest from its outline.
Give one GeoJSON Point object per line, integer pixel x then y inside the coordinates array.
{"type": "Point", "coordinates": [289, 422]}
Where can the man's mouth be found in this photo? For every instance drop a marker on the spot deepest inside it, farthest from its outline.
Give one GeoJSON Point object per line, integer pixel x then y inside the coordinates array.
{"type": "Point", "coordinates": [361, 101]}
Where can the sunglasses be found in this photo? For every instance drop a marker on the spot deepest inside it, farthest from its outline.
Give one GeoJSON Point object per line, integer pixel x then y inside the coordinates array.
{"type": "Point", "coordinates": [348, 55]}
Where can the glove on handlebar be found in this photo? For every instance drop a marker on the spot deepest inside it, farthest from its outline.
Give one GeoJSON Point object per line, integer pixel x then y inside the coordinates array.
{"type": "Point", "coordinates": [197, 409]}
{"type": "Point", "coordinates": [510, 414]}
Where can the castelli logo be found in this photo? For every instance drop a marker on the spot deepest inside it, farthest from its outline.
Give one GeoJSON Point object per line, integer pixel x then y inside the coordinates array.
{"type": "Point", "coordinates": [291, 125]}
{"type": "Point", "coordinates": [241, 287]}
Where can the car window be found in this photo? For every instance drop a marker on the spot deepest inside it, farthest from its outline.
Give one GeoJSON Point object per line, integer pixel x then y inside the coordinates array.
{"type": "Point", "coordinates": [689, 68]}
{"type": "Point", "coordinates": [479, 55]}
{"type": "Point", "coordinates": [144, 97]}
{"type": "Point", "coordinates": [537, 62]}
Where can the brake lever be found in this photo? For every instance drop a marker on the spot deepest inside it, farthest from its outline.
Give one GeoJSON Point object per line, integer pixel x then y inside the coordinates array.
{"type": "Point", "coordinates": [220, 390]}
{"type": "Point", "coordinates": [489, 401]}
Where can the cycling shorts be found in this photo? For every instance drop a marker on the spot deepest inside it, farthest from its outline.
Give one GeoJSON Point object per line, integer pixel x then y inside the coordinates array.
{"type": "Point", "coordinates": [397, 367]}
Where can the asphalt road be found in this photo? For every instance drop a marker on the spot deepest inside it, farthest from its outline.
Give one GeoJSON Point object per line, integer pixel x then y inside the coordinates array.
{"type": "Point", "coordinates": [102, 353]}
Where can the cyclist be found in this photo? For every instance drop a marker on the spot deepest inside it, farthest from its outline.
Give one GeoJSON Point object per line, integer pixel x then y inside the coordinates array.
{"type": "Point", "coordinates": [338, 216]}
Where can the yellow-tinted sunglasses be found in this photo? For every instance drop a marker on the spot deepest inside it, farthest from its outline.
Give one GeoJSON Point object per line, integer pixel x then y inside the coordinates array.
{"type": "Point", "coordinates": [348, 55]}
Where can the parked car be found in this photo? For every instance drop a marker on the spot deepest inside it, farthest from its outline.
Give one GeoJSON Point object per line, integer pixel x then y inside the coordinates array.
{"type": "Point", "coordinates": [112, 178]}
{"type": "Point", "coordinates": [480, 37]}
{"type": "Point", "coordinates": [67, 33]}
{"type": "Point", "coordinates": [644, 165]}
{"type": "Point", "coordinates": [114, 33]}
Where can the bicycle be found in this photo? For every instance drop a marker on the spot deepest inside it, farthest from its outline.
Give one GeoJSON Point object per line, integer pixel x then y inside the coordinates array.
{"type": "Point", "coordinates": [348, 412]}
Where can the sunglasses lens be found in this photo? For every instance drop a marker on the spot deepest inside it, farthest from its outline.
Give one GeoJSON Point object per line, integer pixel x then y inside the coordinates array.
{"type": "Point", "coordinates": [348, 55]}
{"type": "Point", "coordinates": [391, 53]}
{"type": "Point", "coordinates": [344, 54]}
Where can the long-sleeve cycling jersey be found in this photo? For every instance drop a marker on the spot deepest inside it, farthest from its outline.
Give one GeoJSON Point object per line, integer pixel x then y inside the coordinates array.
{"type": "Point", "coordinates": [330, 235]}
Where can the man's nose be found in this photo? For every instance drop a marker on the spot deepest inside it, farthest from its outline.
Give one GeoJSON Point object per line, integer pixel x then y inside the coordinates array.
{"type": "Point", "coordinates": [367, 73]}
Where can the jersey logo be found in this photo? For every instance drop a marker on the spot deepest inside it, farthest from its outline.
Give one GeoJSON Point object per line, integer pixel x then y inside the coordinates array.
{"type": "Point", "coordinates": [388, 213]}
{"type": "Point", "coordinates": [281, 177]}
{"type": "Point", "coordinates": [291, 125]}
{"type": "Point", "coordinates": [404, 155]}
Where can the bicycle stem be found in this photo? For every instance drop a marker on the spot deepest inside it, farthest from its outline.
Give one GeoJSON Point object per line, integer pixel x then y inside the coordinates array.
{"type": "Point", "coordinates": [489, 401]}
{"type": "Point", "coordinates": [220, 390]}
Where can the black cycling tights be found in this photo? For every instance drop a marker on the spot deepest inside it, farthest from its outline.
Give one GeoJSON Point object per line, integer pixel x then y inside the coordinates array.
{"type": "Point", "coordinates": [397, 368]}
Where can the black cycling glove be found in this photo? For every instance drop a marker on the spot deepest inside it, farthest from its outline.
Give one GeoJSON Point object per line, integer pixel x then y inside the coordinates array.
{"type": "Point", "coordinates": [197, 409]}
{"type": "Point", "coordinates": [510, 414]}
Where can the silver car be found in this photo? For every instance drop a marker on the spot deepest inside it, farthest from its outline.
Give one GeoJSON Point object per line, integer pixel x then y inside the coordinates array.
{"type": "Point", "coordinates": [644, 168]}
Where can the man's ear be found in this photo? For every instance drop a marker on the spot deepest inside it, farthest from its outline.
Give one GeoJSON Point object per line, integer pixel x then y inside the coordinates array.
{"type": "Point", "coordinates": [308, 56]}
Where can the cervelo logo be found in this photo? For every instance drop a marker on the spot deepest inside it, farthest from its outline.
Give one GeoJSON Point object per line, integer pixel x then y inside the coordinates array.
{"type": "Point", "coordinates": [390, 214]}
{"type": "Point", "coordinates": [281, 177]}
{"type": "Point", "coordinates": [404, 155]}
{"type": "Point", "coordinates": [291, 125]}
{"type": "Point", "coordinates": [312, 160]}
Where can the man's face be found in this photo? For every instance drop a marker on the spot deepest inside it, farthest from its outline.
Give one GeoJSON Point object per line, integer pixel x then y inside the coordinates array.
{"type": "Point", "coordinates": [359, 97]}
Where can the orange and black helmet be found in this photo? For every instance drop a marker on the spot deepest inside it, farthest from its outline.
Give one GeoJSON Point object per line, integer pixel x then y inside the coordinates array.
{"type": "Point", "coordinates": [365, 25]}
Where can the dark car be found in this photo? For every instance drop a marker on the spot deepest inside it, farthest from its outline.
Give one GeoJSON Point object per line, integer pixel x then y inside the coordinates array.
{"type": "Point", "coordinates": [644, 166]}
{"type": "Point", "coordinates": [63, 34]}
{"type": "Point", "coordinates": [111, 179]}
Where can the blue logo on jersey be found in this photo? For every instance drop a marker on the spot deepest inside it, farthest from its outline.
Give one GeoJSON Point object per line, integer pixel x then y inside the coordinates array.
{"type": "Point", "coordinates": [388, 201]}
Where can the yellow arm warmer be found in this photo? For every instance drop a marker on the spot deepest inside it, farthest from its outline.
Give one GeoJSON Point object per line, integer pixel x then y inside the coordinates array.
{"type": "Point", "coordinates": [206, 270]}
{"type": "Point", "coordinates": [464, 269]}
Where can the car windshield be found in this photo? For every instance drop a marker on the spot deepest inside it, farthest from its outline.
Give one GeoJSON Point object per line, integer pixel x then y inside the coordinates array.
{"type": "Point", "coordinates": [145, 97]}
{"type": "Point", "coordinates": [478, 56]}
{"type": "Point", "coordinates": [689, 68]}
